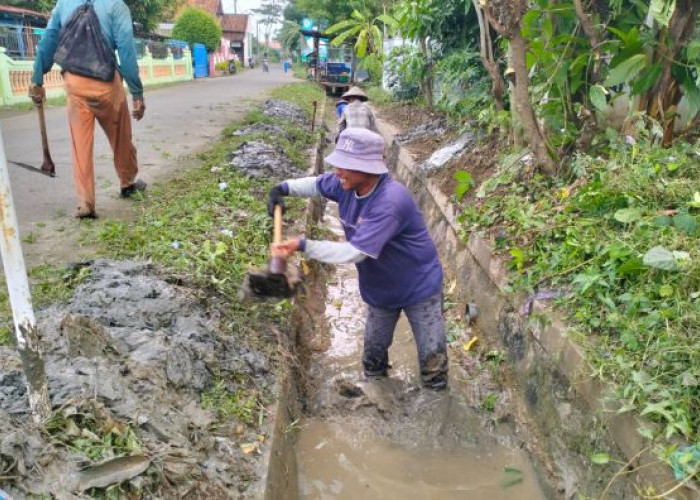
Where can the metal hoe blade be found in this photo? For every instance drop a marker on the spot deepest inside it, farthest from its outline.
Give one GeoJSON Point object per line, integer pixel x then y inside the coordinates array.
{"type": "Point", "coordinates": [32, 168]}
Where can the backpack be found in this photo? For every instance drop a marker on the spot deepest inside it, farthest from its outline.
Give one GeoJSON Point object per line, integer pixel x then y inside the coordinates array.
{"type": "Point", "coordinates": [83, 48]}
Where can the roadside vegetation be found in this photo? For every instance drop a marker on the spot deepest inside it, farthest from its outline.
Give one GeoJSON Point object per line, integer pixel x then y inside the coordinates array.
{"type": "Point", "coordinates": [587, 114]}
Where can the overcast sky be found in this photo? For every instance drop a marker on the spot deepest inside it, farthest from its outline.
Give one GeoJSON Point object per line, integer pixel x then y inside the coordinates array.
{"type": "Point", "coordinates": [244, 7]}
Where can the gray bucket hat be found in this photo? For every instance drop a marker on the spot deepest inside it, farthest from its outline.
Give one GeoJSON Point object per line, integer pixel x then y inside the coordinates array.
{"type": "Point", "coordinates": [355, 92]}
{"type": "Point", "coordinates": [359, 149]}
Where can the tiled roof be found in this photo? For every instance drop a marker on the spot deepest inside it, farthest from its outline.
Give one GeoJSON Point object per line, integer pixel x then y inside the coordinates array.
{"type": "Point", "coordinates": [234, 22]}
{"type": "Point", "coordinates": [208, 5]}
{"type": "Point", "coordinates": [22, 12]}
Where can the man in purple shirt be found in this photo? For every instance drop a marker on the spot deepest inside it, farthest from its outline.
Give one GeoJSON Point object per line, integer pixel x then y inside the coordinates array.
{"type": "Point", "coordinates": [388, 241]}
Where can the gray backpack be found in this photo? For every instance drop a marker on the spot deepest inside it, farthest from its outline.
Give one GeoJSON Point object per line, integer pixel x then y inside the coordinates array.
{"type": "Point", "coordinates": [83, 48]}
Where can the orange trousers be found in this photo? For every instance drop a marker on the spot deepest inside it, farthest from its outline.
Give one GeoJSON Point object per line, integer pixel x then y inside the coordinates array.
{"type": "Point", "coordinates": [89, 99]}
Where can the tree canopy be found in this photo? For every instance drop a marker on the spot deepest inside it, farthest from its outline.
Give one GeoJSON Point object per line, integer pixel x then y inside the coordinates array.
{"type": "Point", "coordinates": [146, 14]}
{"type": "Point", "coordinates": [195, 25]}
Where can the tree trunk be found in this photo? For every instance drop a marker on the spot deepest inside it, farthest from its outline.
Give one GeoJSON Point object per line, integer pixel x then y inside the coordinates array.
{"type": "Point", "coordinates": [427, 84]}
{"type": "Point", "coordinates": [661, 102]}
{"type": "Point", "coordinates": [593, 38]}
{"type": "Point", "coordinates": [535, 137]}
{"type": "Point", "coordinates": [487, 59]}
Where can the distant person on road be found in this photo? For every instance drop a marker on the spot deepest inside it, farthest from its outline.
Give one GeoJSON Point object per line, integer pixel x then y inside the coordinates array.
{"type": "Point", "coordinates": [287, 65]}
{"type": "Point", "coordinates": [265, 66]}
{"type": "Point", "coordinates": [90, 98]}
{"type": "Point", "coordinates": [388, 241]}
{"type": "Point", "coordinates": [356, 114]}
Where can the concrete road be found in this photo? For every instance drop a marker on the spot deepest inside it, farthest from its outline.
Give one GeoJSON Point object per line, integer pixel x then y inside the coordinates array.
{"type": "Point", "coordinates": [180, 120]}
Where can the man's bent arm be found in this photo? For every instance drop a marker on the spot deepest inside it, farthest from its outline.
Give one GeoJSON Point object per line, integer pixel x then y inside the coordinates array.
{"type": "Point", "coordinates": [124, 40]}
{"type": "Point", "coordinates": [332, 252]}
{"type": "Point", "coordinates": [302, 188]}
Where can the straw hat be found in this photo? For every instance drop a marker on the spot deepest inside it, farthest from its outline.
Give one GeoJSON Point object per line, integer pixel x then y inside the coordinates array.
{"type": "Point", "coordinates": [355, 92]}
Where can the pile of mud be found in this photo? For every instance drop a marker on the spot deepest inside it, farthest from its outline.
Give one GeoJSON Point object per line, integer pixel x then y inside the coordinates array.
{"type": "Point", "coordinates": [275, 108]}
{"type": "Point", "coordinates": [261, 128]}
{"type": "Point", "coordinates": [433, 128]}
{"type": "Point", "coordinates": [262, 160]}
{"type": "Point", "coordinates": [128, 360]}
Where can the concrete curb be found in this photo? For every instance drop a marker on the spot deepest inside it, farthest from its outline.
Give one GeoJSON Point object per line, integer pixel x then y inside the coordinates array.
{"type": "Point", "coordinates": [539, 357]}
{"type": "Point", "coordinates": [278, 472]}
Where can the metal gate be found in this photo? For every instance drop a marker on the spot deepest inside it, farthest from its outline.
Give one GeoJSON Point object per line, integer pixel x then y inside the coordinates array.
{"type": "Point", "coordinates": [201, 61]}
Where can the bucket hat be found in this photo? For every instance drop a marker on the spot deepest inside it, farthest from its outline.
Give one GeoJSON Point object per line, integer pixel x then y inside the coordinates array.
{"type": "Point", "coordinates": [359, 149]}
{"type": "Point", "coordinates": [355, 92]}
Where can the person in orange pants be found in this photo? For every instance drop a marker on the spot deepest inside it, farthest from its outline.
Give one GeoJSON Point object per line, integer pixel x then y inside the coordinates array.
{"type": "Point", "coordinates": [90, 97]}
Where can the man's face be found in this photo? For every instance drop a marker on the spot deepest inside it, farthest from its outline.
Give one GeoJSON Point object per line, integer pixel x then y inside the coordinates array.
{"type": "Point", "coordinates": [352, 179]}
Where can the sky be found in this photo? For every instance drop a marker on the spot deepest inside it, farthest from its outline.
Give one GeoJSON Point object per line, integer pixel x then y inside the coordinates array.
{"type": "Point", "coordinates": [244, 7]}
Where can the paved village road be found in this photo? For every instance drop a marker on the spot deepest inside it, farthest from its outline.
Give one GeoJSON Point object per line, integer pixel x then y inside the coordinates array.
{"type": "Point", "coordinates": [180, 119]}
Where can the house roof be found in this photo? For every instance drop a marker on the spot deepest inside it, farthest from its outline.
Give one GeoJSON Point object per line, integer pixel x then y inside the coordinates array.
{"type": "Point", "coordinates": [16, 11]}
{"type": "Point", "coordinates": [212, 6]}
{"type": "Point", "coordinates": [237, 23]}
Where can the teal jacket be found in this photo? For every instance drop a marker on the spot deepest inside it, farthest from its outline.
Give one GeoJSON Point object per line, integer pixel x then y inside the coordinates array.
{"type": "Point", "coordinates": [115, 20]}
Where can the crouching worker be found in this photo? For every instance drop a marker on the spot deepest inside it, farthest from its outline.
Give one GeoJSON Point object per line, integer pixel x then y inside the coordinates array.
{"type": "Point", "coordinates": [388, 241]}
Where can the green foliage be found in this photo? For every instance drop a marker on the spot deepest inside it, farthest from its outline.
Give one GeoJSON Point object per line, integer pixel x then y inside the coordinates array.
{"type": "Point", "coordinates": [462, 85]}
{"type": "Point", "coordinates": [364, 30]}
{"type": "Point", "coordinates": [242, 403]}
{"type": "Point", "coordinates": [196, 25]}
{"type": "Point", "coordinates": [402, 80]}
{"type": "Point", "coordinates": [146, 14]}
{"type": "Point", "coordinates": [620, 244]}
{"type": "Point", "coordinates": [464, 183]}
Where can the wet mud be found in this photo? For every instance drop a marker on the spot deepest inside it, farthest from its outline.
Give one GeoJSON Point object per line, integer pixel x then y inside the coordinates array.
{"type": "Point", "coordinates": [389, 437]}
{"type": "Point", "coordinates": [128, 360]}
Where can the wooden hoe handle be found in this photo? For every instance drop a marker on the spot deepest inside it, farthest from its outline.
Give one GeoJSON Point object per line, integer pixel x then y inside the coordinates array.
{"type": "Point", "coordinates": [277, 233]}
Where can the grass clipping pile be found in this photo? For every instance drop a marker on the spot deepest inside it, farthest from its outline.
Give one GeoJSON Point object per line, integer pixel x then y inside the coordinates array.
{"type": "Point", "coordinates": [131, 362]}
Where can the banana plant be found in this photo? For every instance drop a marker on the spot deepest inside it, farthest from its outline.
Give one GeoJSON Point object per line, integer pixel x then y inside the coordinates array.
{"type": "Point", "coordinates": [364, 30]}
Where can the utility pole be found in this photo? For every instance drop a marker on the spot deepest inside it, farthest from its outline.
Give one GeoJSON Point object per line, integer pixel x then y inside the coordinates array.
{"type": "Point", "coordinates": [26, 335]}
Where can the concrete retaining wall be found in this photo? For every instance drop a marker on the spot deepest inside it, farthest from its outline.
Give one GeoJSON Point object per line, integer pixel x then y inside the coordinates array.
{"type": "Point", "coordinates": [569, 414]}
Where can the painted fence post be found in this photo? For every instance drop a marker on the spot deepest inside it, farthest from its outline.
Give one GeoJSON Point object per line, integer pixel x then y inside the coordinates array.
{"type": "Point", "coordinates": [25, 331]}
{"type": "Point", "coordinates": [187, 61]}
{"type": "Point", "coordinates": [5, 84]}
{"type": "Point", "coordinates": [171, 60]}
{"type": "Point", "coordinates": [148, 61]}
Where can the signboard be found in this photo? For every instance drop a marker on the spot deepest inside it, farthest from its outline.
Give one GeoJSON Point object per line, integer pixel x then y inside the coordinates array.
{"type": "Point", "coordinates": [236, 45]}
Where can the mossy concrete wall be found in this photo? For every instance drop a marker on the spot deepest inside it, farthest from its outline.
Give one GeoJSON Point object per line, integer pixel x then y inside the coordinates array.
{"type": "Point", "coordinates": [566, 413]}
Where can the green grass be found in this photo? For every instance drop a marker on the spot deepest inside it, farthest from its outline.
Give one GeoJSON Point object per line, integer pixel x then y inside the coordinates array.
{"type": "Point", "coordinates": [192, 227]}
{"type": "Point", "coordinates": [590, 237]}
{"type": "Point", "coordinates": [49, 285]}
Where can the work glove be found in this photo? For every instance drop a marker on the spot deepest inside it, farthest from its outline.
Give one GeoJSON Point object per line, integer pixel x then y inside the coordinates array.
{"type": "Point", "coordinates": [37, 93]}
{"type": "Point", "coordinates": [275, 197]}
{"type": "Point", "coordinates": [139, 109]}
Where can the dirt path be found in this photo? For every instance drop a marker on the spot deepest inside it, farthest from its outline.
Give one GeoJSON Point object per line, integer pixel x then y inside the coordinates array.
{"type": "Point", "coordinates": [180, 120]}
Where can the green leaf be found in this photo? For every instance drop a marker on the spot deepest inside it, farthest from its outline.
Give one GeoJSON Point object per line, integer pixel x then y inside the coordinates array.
{"type": "Point", "coordinates": [660, 258]}
{"type": "Point", "coordinates": [461, 190]}
{"type": "Point", "coordinates": [645, 432]}
{"type": "Point", "coordinates": [665, 291]}
{"type": "Point", "coordinates": [696, 201]}
{"type": "Point", "coordinates": [626, 70]}
{"type": "Point", "coordinates": [597, 95]}
{"type": "Point", "coordinates": [462, 176]}
{"type": "Point", "coordinates": [600, 458]}
{"type": "Point", "coordinates": [647, 80]}
{"type": "Point", "coordinates": [628, 215]}
{"type": "Point", "coordinates": [663, 221]}
{"type": "Point", "coordinates": [632, 266]}
{"type": "Point", "coordinates": [686, 223]}
{"type": "Point", "coordinates": [662, 10]}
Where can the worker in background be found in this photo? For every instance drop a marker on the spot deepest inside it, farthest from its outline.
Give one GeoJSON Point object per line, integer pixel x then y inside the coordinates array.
{"type": "Point", "coordinates": [356, 114]}
{"type": "Point", "coordinates": [388, 241]}
{"type": "Point", "coordinates": [340, 106]}
{"type": "Point", "coordinates": [90, 98]}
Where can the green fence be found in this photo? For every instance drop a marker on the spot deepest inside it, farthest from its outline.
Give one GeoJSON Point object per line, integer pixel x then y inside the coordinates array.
{"type": "Point", "coordinates": [15, 76]}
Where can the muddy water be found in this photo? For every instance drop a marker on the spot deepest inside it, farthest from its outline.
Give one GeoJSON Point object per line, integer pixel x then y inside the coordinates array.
{"type": "Point", "coordinates": [390, 438]}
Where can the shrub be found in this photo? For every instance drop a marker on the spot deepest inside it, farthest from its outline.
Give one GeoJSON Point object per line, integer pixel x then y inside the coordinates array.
{"type": "Point", "coordinates": [196, 25]}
